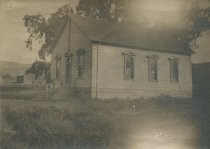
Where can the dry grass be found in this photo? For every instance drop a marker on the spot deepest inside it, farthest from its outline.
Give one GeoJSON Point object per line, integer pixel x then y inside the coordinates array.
{"type": "Point", "coordinates": [94, 124]}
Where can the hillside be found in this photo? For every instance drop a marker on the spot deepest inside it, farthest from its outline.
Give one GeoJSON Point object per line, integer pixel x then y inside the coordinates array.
{"type": "Point", "coordinates": [13, 68]}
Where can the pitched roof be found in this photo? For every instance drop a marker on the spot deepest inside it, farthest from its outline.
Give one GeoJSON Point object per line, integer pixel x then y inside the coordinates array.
{"type": "Point", "coordinates": [129, 35]}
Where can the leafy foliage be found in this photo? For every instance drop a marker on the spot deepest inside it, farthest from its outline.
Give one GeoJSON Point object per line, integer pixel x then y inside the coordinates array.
{"type": "Point", "coordinates": [7, 77]}
{"type": "Point", "coordinates": [104, 9]}
{"type": "Point", "coordinates": [40, 27]}
{"type": "Point", "coordinates": [198, 21]}
{"type": "Point", "coordinates": [38, 69]}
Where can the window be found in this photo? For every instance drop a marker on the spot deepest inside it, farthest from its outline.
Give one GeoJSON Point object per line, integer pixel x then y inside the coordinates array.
{"type": "Point", "coordinates": [174, 73]}
{"type": "Point", "coordinates": [68, 65]}
{"type": "Point", "coordinates": [81, 63]}
{"type": "Point", "coordinates": [58, 66]}
{"type": "Point", "coordinates": [129, 67]}
{"type": "Point", "coordinates": [152, 68]}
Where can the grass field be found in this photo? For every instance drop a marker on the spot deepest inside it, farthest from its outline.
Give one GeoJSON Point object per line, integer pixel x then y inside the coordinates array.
{"type": "Point", "coordinates": [161, 123]}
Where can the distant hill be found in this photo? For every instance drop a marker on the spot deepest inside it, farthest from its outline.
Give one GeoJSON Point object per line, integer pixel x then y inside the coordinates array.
{"type": "Point", "coordinates": [13, 68]}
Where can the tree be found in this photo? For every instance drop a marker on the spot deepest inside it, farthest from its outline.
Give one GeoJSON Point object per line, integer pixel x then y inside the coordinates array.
{"type": "Point", "coordinates": [39, 69]}
{"type": "Point", "coordinates": [7, 77]}
{"type": "Point", "coordinates": [197, 22]}
{"type": "Point", "coordinates": [103, 9]}
{"type": "Point", "coordinates": [39, 27]}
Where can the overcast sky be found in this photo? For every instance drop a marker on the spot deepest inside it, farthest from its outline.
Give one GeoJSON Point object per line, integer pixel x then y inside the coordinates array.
{"type": "Point", "coordinates": [12, 30]}
{"type": "Point", "coordinates": [13, 34]}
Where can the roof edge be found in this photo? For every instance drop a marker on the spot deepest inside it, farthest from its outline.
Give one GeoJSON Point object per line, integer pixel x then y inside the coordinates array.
{"type": "Point", "coordinates": [64, 23]}
{"type": "Point", "coordinates": [188, 52]}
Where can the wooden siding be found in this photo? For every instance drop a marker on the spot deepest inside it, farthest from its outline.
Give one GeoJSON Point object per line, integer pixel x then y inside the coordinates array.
{"type": "Point", "coordinates": [80, 41]}
{"type": "Point", "coordinates": [59, 50]}
{"type": "Point", "coordinates": [108, 74]}
{"type": "Point", "coordinates": [77, 41]}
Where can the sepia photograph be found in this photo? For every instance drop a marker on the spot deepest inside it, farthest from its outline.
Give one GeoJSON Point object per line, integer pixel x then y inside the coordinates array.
{"type": "Point", "coordinates": [105, 74]}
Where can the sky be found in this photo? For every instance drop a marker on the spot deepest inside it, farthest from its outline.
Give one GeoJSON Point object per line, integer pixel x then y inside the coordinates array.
{"type": "Point", "coordinates": [13, 33]}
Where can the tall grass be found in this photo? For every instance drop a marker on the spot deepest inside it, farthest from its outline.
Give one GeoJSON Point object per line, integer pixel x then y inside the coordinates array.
{"type": "Point", "coordinates": [88, 124]}
{"type": "Point", "coordinates": [34, 124]}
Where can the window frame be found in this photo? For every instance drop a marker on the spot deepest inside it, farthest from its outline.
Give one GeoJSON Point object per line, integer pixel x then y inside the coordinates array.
{"type": "Point", "coordinates": [131, 76]}
{"type": "Point", "coordinates": [152, 77]}
{"type": "Point", "coordinates": [174, 79]}
{"type": "Point", "coordinates": [80, 65]}
{"type": "Point", "coordinates": [68, 57]}
{"type": "Point", "coordinates": [57, 66]}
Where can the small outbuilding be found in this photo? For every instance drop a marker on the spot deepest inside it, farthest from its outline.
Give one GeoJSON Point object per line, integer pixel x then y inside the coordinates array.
{"type": "Point", "coordinates": [20, 78]}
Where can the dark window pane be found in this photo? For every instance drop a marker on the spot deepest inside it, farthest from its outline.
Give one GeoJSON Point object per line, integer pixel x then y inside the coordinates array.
{"type": "Point", "coordinates": [129, 67]}
{"type": "Point", "coordinates": [81, 63]}
{"type": "Point", "coordinates": [152, 62]}
{"type": "Point", "coordinates": [68, 67]}
{"type": "Point", "coordinates": [58, 66]}
{"type": "Point", "coordinates": [174, 71]}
